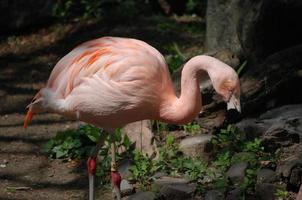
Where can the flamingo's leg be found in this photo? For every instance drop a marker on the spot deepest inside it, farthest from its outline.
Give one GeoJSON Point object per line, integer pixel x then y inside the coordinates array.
{"type": "Point", "coordinates": [115, 176]}
{"type": "Point", "coordinates": [91, 164]}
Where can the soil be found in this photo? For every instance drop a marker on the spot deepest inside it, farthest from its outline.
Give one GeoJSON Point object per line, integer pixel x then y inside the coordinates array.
{"type": "Point", "coordinates": [26, 61]}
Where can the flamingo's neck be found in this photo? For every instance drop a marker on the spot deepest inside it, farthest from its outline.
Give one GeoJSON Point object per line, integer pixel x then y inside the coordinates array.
{"type": "Point", "coordinates": [185, 108]}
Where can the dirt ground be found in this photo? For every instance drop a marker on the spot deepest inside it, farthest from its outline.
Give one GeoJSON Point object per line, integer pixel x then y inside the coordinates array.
{"type": "Point", "coordinates": [26, 60]}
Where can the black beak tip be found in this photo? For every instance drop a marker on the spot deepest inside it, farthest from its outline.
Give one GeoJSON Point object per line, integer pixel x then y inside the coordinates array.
{"type": "Point", "coordinates": [232, 116]}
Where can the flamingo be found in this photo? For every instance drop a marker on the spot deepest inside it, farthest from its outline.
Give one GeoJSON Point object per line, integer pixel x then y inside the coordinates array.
{"type": "Point", "coordinates": [111, 81]}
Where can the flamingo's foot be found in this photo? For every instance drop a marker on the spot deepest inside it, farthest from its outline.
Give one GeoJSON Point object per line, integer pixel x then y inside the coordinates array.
{"type": "Point", "coordinates": [116, 183]}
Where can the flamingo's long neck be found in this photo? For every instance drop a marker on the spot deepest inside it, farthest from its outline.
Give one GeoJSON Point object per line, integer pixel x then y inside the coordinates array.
{"type": "Point", "coordinates": [185, 108]}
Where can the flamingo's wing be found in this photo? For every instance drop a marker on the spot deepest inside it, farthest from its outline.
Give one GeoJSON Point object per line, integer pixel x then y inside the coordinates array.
{"type": "Point", "coordinates": [107, 74]}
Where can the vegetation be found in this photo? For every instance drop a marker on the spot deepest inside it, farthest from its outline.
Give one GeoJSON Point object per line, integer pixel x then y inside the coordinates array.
{"type": "Point", "coordinates": [229, 147]}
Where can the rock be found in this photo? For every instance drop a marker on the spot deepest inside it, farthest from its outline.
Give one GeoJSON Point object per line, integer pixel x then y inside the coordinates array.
{"type": "Point", "coordinates": [265, 191]}
{"type": "Point", "coordinates": [266, 176]}
{"type": "Point", "coordinates": [292, 159]}
{"type": "Point", "coordinates": [236, 172]}
{"type": "Point", "coordinates": [211, 121]}
{"type": "Point", "coordinates": [281, 127]}
{"type": "Point", "coordinates": [243, 157]}
{"type": "Point", "coordinates": [123, 168]}
{"type": "Point", "coordinates": [259, 88]}
{"type": "Point", "coordinates": [235, 25]}
{"type": "Point", "coordinates": [234, 194]}
{"type": "Point", "coordinates": [175, 188]}
{"type": "Point", "coordinates": [214, 195]}
{"type": "Point", "coordinates": [275, 138]}
{"type": "Point", "coordinates": [126, 187]}
{"type": "Point", "coordinates": [142, 196]}
{"type": "Point", "coordinates": [295, 177]}
{"type": "Point", "coordinates": [196, 146]}
{"type": "Point", "coordinates": [226, 56]}
{"type": "Point", "coordinates": [158, 175]}
{"type": "Point", "coordinates": [141, 134]}
{"type": "Point", "coordinates": [221, 30]}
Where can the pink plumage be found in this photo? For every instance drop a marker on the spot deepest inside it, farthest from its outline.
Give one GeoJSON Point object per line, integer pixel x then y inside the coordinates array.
{"type": "Point", "coordinates": [112, 81]}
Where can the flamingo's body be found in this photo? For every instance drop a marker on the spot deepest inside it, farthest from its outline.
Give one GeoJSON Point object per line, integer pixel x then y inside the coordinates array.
{"type": "Point", "coordinates": [110, 82]}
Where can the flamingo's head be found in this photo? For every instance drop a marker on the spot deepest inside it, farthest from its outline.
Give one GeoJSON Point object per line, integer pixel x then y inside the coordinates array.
{"type": "Point", "coordinates": [229, 89]}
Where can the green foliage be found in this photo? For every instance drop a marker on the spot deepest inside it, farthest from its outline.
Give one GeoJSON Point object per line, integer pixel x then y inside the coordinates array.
{"type": "Point", "coordinates": [253, 146]}
{"type": "Point", "coordinates": [79, 144]}
{"type": "Point", "coordinates": [239, 70]}
{"type": "Point", "coordinates": [73, 143]}
{"type": "Point", "coordinates": [169, 161]}
{"type": "Point", "coordinates": [142, 169]}
{"type": "Point", "coordinates": [223, 161]}
{"type": "Point", "coordinates": [174, 58]}
{"type": "Point", "coordinates": [192, 127]}
{"type": "Point", "coordinates": [232, 147]}
{"type": "Point", "coordinates": [92, 8]}
{"type": "Point", "coordinates": [62, 8]}
{"type": "Point", "coordinates": [282, 194]}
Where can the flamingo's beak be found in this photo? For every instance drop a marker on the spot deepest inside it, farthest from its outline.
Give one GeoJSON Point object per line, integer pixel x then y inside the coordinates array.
{"type": "Point", "coordinates": [234, 103]}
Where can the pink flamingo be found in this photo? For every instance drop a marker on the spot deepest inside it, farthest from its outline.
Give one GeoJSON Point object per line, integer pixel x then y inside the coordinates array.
{"type": "Point", "coordinates": [110, 81]}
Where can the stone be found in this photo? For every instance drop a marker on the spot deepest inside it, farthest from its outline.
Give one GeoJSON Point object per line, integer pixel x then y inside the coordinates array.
{"type": "Point", "coordinates": [295, 177]}
{"type": "Point", "coordinates": [196, 146]}
{"type": "Point", "coordinates": [243, 157]}
{"type": "Point", "coordinates": [214, 195]}
{"type": "Point", "coordinates": [123, 168]}
{"type": "Point", "coordinates": [234, 194]}
{"type": "Point", "coordinates": [266, 176]}
{"type": "Point", "coordinates": [175, 188]}
{"type": "Point", "coordinates": [236, 172]}
{"type": "Point", "coordinates": [126, 188]}
{"type": "Point", "coordinates": [292, 159]}
{"type": "Point", "coordinates": [265, 191]}
{"type": "Point", "coordinates": [142, 196]}
{"type": "Point", "coordinates": [140, 133]}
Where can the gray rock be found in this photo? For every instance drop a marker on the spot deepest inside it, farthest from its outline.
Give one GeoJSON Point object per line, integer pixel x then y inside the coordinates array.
{"type": "Point", "coordinates": [295, 176]}
{"type": "Point", "coordinates": [265, 191]}
{"type": "Point", "coordinates": [292, 159]}
{"type": "Point", "coordinates": [280, 127]}
{"type": "Point", "coordinates": [214, 195]}
{"type": "Point", "coordinates": [196, 146]}
{"type": "Point", "coordinates": [141, 134]}
{"type": "Point", "coordinates": [221, 29]}
{"type": "Point", "coordinates": [236, 172]}
{"type": "Point", "coordinates": [234, 194]}
{"type": "Point", "coordinates": [166, 180]}
{"type": "Point", "coordinates": [142, 196]}
{"type": "Point", "coordinates": [243, 157]}
{"type": "Point", "coordinates": [123, 168]}
{"type": "Point", "coordinates": [126, 187]}
{"type": "Point", "coordinates": [175, 188]}
{"type": "Point", "coordinates": [266, 176]}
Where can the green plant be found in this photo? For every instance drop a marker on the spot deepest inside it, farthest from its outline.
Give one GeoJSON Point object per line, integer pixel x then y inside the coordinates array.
{"type": "Point", "coordinates": [192, 127]}
{"type": "Point", "coordinates": [80, 142]}
{"type": "Point", "coordinates": [72, 143]}
{"type": "Point", "coordinates": [142, 169]}
{"type": "Point", "coordinates": [239, 70]}
{"type": "Point", "coordinates": [223, 161]}
{"type": "Point", "coordinates": [62, 8]}
{"type": "Point", "coordinates": [175, 57]}
{"type": "Point", "coordinates": [253, 146]}
{"type": "Point", "coordinates": [92, 8]}
{"type": "Point", "coordinates": [282, 194]}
